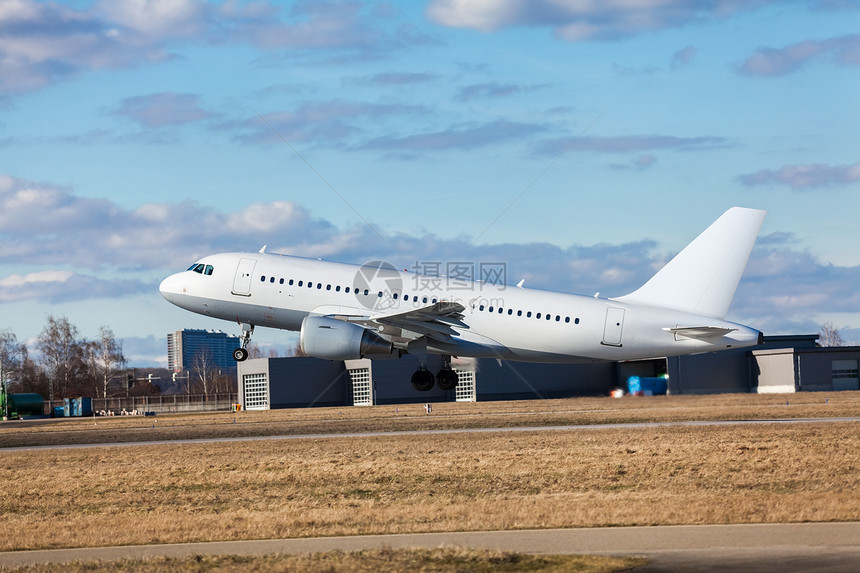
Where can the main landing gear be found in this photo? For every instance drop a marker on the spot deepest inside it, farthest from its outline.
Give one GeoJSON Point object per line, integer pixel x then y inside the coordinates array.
{"type": "Point", "coordinates": [423, 380]}
{"type": "Point", "coordinates": [241, 354]}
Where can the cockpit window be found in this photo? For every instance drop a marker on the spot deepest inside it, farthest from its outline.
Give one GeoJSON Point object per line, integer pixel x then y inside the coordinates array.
{"type": "Point", "coordinates": [202, 269]}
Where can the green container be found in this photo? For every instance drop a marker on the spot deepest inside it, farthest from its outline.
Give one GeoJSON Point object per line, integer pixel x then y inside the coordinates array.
{"type": "Point", "coordinates": [26, 405]}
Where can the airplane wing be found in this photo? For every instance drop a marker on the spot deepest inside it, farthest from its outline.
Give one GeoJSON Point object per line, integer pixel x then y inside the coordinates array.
{"type": "Point", "coordinates": [699, 331]}
{"type": "Point", "coordinates": [438, 321]}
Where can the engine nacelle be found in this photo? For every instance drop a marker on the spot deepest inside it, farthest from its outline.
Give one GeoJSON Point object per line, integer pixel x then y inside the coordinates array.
{"type": "Point", "coordinates": [333, 339]}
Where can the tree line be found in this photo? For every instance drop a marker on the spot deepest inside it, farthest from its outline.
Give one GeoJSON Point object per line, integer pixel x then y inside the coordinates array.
{"type": "Point", "coordinates": [65, 365]}
{"type": "Point", "coordinates": [61, 364]}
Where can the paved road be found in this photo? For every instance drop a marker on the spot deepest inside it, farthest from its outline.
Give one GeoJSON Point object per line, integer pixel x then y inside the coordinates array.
{"type": "Point", "coordinates": [763, 548]}
{"type": "Point", "coordinates": [568, 428]}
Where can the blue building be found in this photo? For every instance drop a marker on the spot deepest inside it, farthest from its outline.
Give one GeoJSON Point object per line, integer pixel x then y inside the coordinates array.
{"type": "Point", "coordinates": [212, 346]}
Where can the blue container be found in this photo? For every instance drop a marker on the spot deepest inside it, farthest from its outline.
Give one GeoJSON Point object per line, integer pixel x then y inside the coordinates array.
{"type": "Point", "coordinates": [647, 385]}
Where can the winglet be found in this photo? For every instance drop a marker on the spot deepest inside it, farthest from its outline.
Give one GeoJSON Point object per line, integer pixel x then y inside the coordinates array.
{"type": "Point", "coordinates": [702, 278]}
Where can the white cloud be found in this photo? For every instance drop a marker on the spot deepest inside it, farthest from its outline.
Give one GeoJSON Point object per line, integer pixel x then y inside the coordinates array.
{"type": "Point", "coordinates": [157, 18]}
{"type": "Point", "coordinates": [632, 144]}
{"type": "Point", "coordinates": [576, 20]}
{"type": "Point", "coordinates": [782, 288]}
{"type": "Point", "coordinates": [683, 57]}
{"type": "Point", "coordinates": [803, 177]}
{"type": "Point", "coordinates": [163, 109]}
{"type": "Point", "coordinates": [42, 43]}
{"type": "Point", "coordinates": [844, 50]}
{"type": "Point", "coordinates": [15, 281]}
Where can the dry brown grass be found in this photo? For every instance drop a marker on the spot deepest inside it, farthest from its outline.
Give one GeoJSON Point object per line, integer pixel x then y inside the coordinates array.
{"type": "Point", "coordinates": [452, 482]}
{"type": "Point", "coordinates": [571, 411]}
{"type": "Point", "coordinates": [369, 561]}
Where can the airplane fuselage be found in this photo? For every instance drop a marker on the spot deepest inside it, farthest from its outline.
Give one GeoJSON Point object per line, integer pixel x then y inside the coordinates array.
{"type": "Point", "coordinates": [498, 321]}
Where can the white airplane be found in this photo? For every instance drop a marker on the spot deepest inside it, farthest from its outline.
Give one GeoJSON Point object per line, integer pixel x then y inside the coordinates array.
{"type": "Point", "coordinates": [348, 311]}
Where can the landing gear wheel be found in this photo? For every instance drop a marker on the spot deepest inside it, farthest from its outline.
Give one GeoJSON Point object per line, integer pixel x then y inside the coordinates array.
{"type": "Point", "coordinates": [241, 354]}
{"type": "Point", "coordinates": [447, 379]}
{"type": "Point", "coordinates": [423, 380]}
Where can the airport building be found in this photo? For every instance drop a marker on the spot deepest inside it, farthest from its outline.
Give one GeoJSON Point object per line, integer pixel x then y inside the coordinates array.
{"type": "Point", "coordinates": [781, 364]}
{"type": "Point", "coordinates": [214, 346]}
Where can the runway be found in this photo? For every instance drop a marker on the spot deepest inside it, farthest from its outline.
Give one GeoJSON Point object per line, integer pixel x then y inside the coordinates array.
{"type": "Point", "coordinates": [763, 548]}
{"type": "Point", "coordinates": [565, 428]}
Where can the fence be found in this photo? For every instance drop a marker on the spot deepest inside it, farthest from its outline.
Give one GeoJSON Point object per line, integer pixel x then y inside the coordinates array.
{"type": "Point", "coordinates": [162, 404]}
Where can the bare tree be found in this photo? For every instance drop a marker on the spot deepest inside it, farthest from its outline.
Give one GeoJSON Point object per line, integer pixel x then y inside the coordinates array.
{"type": "Point", "coordinates": [108, 358]}
{"type": "Point", "coordinates": [12, 357]}
{"type": "Point", "coordinates": [297, 351]}
{"type": "Point", "coordinates": [829, 335]}
{"type": "Point", "coordinates": [61, 356]}
{"type": "Point", "coordinates": [202, 367]}
{"type": "Point", "coordinates": [32, 378]}
{"type": "Point", "coordinates": [255, 351]}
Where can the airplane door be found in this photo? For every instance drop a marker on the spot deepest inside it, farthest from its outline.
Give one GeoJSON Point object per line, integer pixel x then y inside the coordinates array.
{"type": "Point", "coordinates": [613, 327]}
{"type": "Point", "coordinates": [242, 280]}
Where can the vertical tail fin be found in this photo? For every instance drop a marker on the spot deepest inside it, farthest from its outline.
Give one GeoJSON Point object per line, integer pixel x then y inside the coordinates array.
{"type": "Point", "coordinates": [702, 278]}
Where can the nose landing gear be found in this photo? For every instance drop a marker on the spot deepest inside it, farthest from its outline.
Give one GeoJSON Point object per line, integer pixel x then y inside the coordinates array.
{"type": "Point", "coordinates": [241, 354]}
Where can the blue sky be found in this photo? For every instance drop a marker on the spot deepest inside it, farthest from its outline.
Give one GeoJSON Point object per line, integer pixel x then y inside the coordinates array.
{"type": "Point", "coordinates": [581, 143]}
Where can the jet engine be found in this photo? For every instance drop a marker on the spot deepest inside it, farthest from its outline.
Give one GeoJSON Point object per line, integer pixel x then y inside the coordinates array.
{"type": "Point", "coordinates": [333, 339]}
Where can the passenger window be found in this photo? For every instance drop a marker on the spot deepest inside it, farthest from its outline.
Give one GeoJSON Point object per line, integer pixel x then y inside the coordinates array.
{"type": "Point", "coordinates": [510, 311]}
{"type": "Point", "coordinates": [501, 310]}
{"type": "Point", "coordinates": [263, 279]}
{"type": "Point", "coordinates": [481, 307]}
{"type": "Point", "coordinates": [379, 294]}
{"type": "Point", "coordinates": [491, 309]}
{"type": "Point", "coordinates": [519, 313]}
{"type": "Point", "coordinates": [367, 293]}
{"type": "Point", "coordinates": [576, 321]}
{"type": "Point", "coordinates": [281, 281]}
{"type": "Point", "coordinates": [424, 300]}
{"type": "Point", "coordinates": [301, 283]}
{"type": "Point", "coordinates": [337, 288]}
{"type": "Point", "coordinates": [319, 286]}
{"type": "Point", "coordinates": [327, 287]}
{"type": "Point", "coordinates": [567, 319]}
{"type": "Point", "coordinates": [346, 289]}
{"type": "Point", "coordinates": [557, 318]}
{"type": "Point", "coordinates": [272, 280]}
{"type": "Point", "coordinates": [208, 271]}
{"type": "Point", "coordinates": [548, 316]}
{"type": "Point", "coordinates": [537, 315]}
{"type": "Point", "coordinates": [395, 296]}
{"type": "Point", "coordinates": [529, 314]}
{"type": "Point", "coordinates": [291, 282]}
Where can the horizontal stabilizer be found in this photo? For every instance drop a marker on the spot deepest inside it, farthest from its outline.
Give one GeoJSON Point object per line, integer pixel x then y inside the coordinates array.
{"type": "Point", "coordinates": [699, 331]}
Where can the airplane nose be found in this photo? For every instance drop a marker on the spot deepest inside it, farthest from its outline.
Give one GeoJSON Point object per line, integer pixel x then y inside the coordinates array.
{"type": "Point", "coordinates": [172, 286]}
